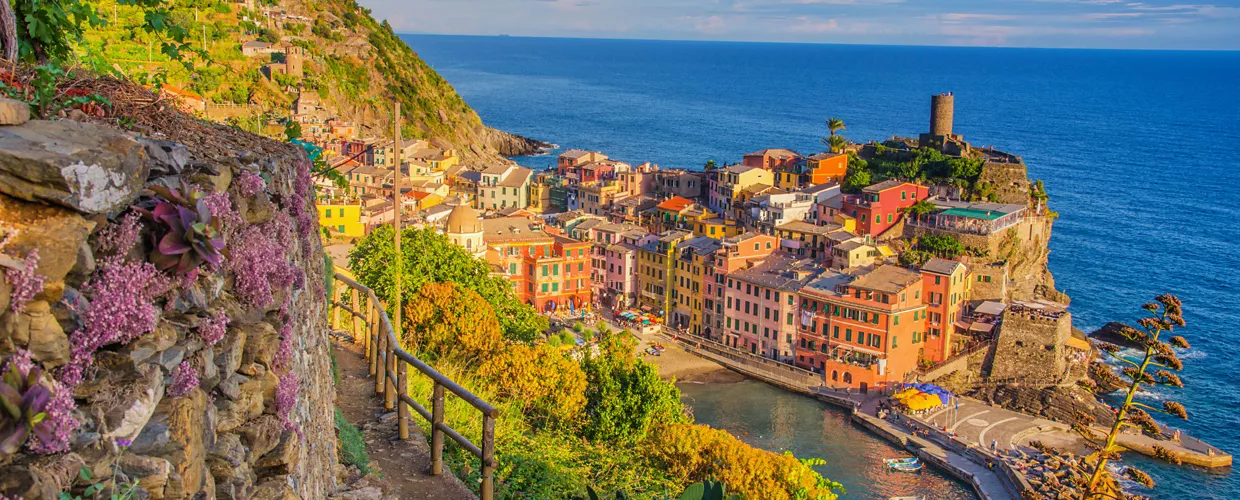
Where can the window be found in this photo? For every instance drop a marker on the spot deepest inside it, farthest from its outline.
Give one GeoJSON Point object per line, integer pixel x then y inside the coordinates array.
{"type": "Point", "coordinates": [544, 288]}
{"type": "Point", "coordinates": [938, 279]}
{"type": "Point", "coordinates": [544, 270]}
{"type": "Point", "coordinates": [888, 218]}
{"type": "Point", "coordinates": [789, 321]}
{"type": "Point", "coordinates": [847, 333]}
{"type": "Point", "coordinates": [581, 266]}
{"type": "Point", "coordinates": [875, 318]}
{"type": "Point", "coordinates": [836, 333]}
{"type": "Point", "coordinates": [903, 195]}
{"type": "Point", "coordinates": [512, 268]}
{"type": "Point", "coordinates": [768, 295]}
{"type": "Point", "coordinates": [555, 287]}
{"type": "Point", "coordinates": [340, 228]}
{"type": "Point", "coordinates": [878, 218]}
{"type": "Point", "coordinates": [893, 341]}
{"type": "Point", "coordinates": [895, 320]}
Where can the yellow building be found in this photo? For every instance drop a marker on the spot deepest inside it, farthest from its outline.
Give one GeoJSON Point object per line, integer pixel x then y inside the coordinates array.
{"type": "Point", "coordinates": [656, 268]}
{"type": "Point", "coordinates": [788, 180]}
{"type": "Point", "coordinates": [717, 228]}
{"type": "Point", "coordinates": [343, 219]}
{"type": "Point", "coordinates": [688, 285]}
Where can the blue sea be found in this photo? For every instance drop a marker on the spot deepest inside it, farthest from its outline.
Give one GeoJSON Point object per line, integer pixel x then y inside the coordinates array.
{"type": "Point", "coordinates": [1140, 152]}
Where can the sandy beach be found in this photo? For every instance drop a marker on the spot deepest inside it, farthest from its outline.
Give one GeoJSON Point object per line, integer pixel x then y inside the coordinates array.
{"type": "Point", "coordinates": [684, 367]}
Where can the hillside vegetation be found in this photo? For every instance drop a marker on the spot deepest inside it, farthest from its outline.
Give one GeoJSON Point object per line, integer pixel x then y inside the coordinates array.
{"type": "Point", "coordinates": [356, 65]}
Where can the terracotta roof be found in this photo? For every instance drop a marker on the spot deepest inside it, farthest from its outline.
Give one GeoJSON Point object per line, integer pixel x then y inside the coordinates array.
{"type": "Point", "coordinates": [824, 156]}
{"type": "Point", "coordinates": [575, 153]}
{"type": "Point", "coordinates": [512, 229]}
{"type": "Point", "coordinates": [675, 204]}
{"type": "Point", "coordinates": [801, 226]}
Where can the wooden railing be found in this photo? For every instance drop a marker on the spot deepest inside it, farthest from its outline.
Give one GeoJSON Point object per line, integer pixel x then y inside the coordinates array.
{"type": "Point", "coordinates": [390, 365]}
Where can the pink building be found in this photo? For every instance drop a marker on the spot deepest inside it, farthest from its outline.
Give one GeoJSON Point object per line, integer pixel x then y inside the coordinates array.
{"type": "Point", "coordinates": [764, 305]}
{"type": "Point", "coordinates": [616, 271]}
{"type": "Point", "coordinates": [735, 253]}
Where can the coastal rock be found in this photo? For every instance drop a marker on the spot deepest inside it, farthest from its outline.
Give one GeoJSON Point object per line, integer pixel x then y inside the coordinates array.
{"type": "Point", "coordinates": [90, 168]}
{"type": "Point", "coordinates": [128, 406]}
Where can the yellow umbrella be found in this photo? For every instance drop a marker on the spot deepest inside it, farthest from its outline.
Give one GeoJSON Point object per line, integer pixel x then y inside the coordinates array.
{"type": "Point", "coordinates": [906, 393]}
{"type": "Point", "coordinates": [926, 401]}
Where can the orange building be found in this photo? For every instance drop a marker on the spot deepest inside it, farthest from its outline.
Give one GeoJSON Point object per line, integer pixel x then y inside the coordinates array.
{"type": "Point", "coordinates": [867, 332]}
{"type": "Point", "coordinates": [548, 271]}
{"type": "Point", "coordinates": [826, 167]}
{"type": "Point", "coordinates": [945, 286]}
{"type": "Point", "coordinates": [772, 159]}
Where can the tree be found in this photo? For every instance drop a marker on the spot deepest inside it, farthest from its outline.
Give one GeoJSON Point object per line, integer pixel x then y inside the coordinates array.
{"type": "Point", "coordinates": [857, 176]}
{"type": "Point", "coordinates": [710, 165]}
{"type": "Point", "coordinates": [625, 395]}
{"type": "Point", "coordinates": [919, 209]}
{"type": "Point", "coordinates": [833, 142]}
{"type": "Point", "coordinates": [946, 246]}
{"type": "Point", "coordinates": [1165, 314]}
{"type": "Point", "coordinates": [292, 130]}
{"type": "Point", "coordinates": [429, 257]}
{"type": "Point", "coordinates": [446, 320]}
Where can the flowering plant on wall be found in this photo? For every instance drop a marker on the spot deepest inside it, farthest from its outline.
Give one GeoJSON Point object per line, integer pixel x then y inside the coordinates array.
{"type": "Point", "coordinates": [189, 235]}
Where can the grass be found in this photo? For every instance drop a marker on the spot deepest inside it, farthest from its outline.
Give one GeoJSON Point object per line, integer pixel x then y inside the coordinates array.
{"type": "Point", "coordinates": [352, 443]}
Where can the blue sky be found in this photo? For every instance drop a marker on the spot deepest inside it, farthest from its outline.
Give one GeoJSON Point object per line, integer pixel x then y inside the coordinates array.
{"type": "Point", "coordinates": [1149, 24]}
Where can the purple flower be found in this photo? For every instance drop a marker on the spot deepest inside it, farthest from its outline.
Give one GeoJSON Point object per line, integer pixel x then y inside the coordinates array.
{"type": "Point", "coordinates": [284, 354]}
{"type": "Point", "coordinates": [124, 443]}
{"type": "Point", "coordinates": [184, 380]}
{"type": "Point", "coordinates": [26, 284]}
{"type": "Point", "coordinates": [53, 433]}
{"type": "Point", "coordinates": [221, 207]}
{"type": "Point", "coordinates": [286, 398]}
{"type": "Point", "coordinates": [121, 309]}
{"type": "Point", "coordinates": [259, 262]}
{"type": "Point", "coordinates": [118, 238]}
{"type": "Point", "coordinates": [20, 361]}
{"type": "Point", "coordinates": [213, 329]}
{"type": "Point", "coordinates": [250, 184]}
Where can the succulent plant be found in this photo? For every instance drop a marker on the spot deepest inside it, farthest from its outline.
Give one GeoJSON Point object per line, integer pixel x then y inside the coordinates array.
{"type": "Point", "coordinates": [23, 404]}
{"type": "Point", "coordinates": [189, 234]}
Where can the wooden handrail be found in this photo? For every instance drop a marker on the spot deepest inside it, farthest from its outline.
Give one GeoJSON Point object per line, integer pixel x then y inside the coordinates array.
{"type": "Point", "coordinates": [389, 364]}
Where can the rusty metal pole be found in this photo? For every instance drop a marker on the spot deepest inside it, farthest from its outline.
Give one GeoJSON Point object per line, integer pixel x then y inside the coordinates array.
{"type": "Point", "coordinates": [488, 457]}
{"type": "Point", "coordinates": [436, 433]}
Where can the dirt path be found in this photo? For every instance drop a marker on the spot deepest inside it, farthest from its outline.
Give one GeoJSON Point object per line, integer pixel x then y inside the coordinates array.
{"type": "Point", "coordinates": [403, 465]}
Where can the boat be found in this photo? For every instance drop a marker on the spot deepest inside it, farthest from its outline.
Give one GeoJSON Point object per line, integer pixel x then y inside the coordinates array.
{"type": "Point", "coordinates": [906, 498]}
{"type": "Point", "coordinates": [908, 460]}
{"type": "Point", "coordinates": [913, 467]}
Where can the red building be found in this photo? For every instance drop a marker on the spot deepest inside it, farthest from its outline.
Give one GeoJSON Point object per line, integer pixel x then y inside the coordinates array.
{"type": "Point", "coordinates": [772, 159]}
{"type": "Point", "coordinates": [548, 271]}
{"type": "Point", "coordinates": [879, 206]}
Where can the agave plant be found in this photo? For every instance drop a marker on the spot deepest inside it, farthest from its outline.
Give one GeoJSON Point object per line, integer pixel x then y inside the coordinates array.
{"type": "Point", "coordinates": [22, 404]}
{"type": "Point", "coordinates": [189, 236]}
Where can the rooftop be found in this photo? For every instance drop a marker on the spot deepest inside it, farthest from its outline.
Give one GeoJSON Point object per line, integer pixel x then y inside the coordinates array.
{"type": "Point", "coordinates": [890, 279]}
{"type": "Point", "coordinates": [941, 266]}
{"type": "Point", "coordinates": [513, 229]}
{"type": "Point", "coordinates": [776, 153]}
{"type": "Point", "coordinates": [575, 153]}
{"type": "Point", "coordinates": [781, 272]}
{"type": "Point", "coordinates": [675, 204]}
{"type": "Point", "coordinates": [801, 226]}
{"type": "Point", "coordinates": [883, 186]}
{"type": "Point", "coordinates": [824, 156]}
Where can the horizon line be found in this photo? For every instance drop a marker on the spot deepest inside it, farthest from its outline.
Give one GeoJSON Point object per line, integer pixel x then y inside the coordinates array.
{"type": "Point", "coordinates": [773, 42]}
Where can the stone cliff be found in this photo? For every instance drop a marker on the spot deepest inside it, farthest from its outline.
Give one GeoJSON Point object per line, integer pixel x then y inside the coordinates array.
{"type": "Point", "coordinates": [165, 289]}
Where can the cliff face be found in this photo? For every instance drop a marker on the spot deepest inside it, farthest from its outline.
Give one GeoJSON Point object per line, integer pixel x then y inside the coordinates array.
{"type": "Point", "coordinates": [332, 51]}
{"type": "Point", "coordinates": [212, 383]}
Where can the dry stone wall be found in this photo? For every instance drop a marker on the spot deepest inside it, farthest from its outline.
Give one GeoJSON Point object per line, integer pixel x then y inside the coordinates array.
{"type": "Point", "coordinates": [206, 381]}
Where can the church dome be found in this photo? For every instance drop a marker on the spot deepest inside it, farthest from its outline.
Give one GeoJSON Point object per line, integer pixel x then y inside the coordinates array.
{"type": "Point", "coordinates": [463, 220]}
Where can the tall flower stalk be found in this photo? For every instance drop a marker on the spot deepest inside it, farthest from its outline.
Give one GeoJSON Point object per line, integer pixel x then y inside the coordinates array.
{"type": "Point", "coordinates": [1157, 355]}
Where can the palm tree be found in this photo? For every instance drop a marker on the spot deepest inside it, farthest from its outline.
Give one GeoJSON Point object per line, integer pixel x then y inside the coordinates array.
{"type": "Point", "coordinates": [834, 142]}
{"type": "Point", "coordinates": [835, 125]}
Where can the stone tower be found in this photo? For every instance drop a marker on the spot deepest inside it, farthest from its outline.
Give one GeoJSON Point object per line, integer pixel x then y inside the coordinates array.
{"type": "Point", "coordinates": [294, 56]}
{"type": "Point", "coordinates": [942, 108]}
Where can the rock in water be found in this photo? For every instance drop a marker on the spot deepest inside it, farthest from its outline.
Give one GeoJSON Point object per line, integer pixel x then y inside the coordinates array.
{"type": "Point", "coordinates": [86, 167]}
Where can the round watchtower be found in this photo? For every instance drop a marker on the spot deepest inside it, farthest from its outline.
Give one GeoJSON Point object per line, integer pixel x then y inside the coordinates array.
{"type": "Point", "coordinates": [941, 111]}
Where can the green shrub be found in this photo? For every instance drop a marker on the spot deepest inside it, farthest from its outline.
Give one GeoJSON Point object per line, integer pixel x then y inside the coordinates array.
{"type": "Point", "coordinates": [352, 444]}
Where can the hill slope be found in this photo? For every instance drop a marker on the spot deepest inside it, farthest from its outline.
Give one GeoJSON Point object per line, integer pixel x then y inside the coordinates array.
{"type": "Point", "coordinates": [354, 66]}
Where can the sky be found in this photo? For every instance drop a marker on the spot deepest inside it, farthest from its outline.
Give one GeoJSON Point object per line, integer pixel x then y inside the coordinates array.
{"type": "Point", "coordinates": [1120, 24]}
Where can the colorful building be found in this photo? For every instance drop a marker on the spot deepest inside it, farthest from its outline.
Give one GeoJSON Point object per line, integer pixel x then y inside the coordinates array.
{"type": "Point", "coordinates": [547, 271]}
{"type": "Point", "coordinates": [728, 183]}
{"type": "Point", "coordinates": [946, 287]}
{"type": "Point", "coordinates": [763, 305]}
{"type": "Point", "coordinates": [873, 327]}
{"type": "Point", "coordinates": [344, 219]}
{"type": "Point", "coordinates": [826, 167]}
{"type": "Point", "coordinates": [504, 186]}
{"type": "Point", "coordinates": [772, 159]}
{"type": "Point", "coordinates": [717, 228]}
{"type": "Point", "coordinates": [735, 253]}
{"type": "Point", "coordinates": [880, 206]}
{"type": "Point", "coordinates": [689, 282]}
{"type": "Point", "coordinates": [656, 256]}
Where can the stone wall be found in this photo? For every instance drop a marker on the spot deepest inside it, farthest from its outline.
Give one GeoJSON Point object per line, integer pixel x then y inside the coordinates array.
{"type": "Point", "coordinates": [1031, 347]}
{"type": "Point", "coordinates": [210, 383]}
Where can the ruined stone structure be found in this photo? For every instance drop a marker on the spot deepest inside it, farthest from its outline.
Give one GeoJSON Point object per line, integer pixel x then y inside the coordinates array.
{"type": "Point", "coordinates": [219, 385]}
{"type": "Point", "coordinates": [1031, 345]}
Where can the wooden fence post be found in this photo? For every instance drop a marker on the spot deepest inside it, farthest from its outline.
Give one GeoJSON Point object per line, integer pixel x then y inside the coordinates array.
{"type": "Point", "coordinates": [436, 434]}
{"type": "Point", "coordinates": [402, 389]}
{"type": "Point", "coordinates": [357, 306]}
{"type": "Point", "coordinates": [389, 385]}
{"type": "Point", "coordinates": [488, 457]}
{"type": "Point", "coordinates": [372, 352]}
{"type": "Point", "coordinates": [380, 359]}
{"type": "Point", "coordinates": [336, 294]}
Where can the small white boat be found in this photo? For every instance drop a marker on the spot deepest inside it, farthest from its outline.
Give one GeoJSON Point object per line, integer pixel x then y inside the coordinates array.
{"type": "Point", "coordinates": [908, 460]}
{"type": "Point", "coordinates": [910, 467]}
{"type": "Point", "coordinates": [906, 498]}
